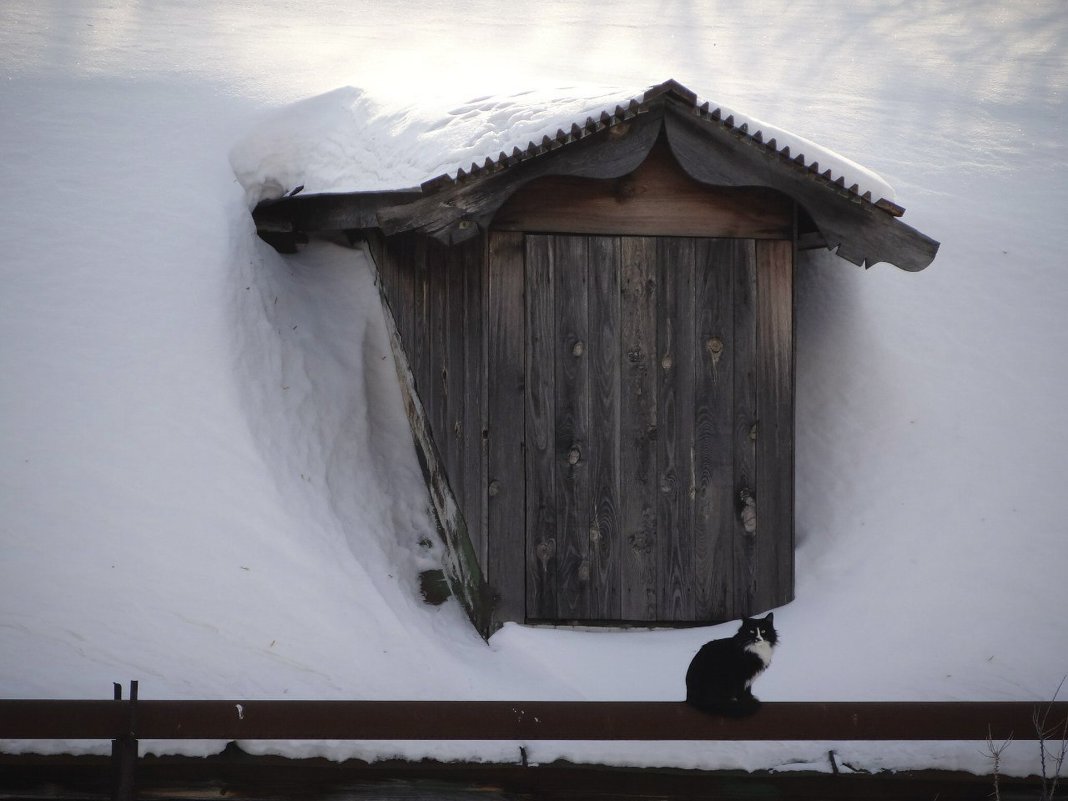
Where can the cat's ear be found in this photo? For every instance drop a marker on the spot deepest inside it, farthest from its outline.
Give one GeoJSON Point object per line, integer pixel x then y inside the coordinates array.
{"type": "Point", "coordinates": [769, 617]}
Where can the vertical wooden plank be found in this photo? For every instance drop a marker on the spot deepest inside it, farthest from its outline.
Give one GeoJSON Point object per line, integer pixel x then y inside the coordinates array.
{"type": "Point", "coordinates": [542, 546]}
{"type": "Point", "coordinates": [401, 257]}
{"type": "Point", "coordinates": [504, 424]}
{"type": "Point", "coordinates": [428, 348]}
{"type": "Point", "coordinates": [386, 265]}
{"type": "Point", "coordinates": [473, 397]}
{"type": "Point", "coordinates": [743, 276]}
{"type": "Point", "coordinates": [675, 428]}
{"type": "Point", "coordinates": [401, 266]}
{"type": "Point", "coordinates": [774, 536]}
{"type": "Point", "coordinates": [714, 512]}
{"type": "Point", "coordinates": [572, 413]}
{"type": "Point", "coordinates": [606, 536]}
{"type": "Point", "coordinates": [638, 428]}
{"type": "Point", "coordinates": [419, 349]}
{"type": "Point", "coordinates": [454, 376]}
{"type": "Point", "coordinates": [435, 391]}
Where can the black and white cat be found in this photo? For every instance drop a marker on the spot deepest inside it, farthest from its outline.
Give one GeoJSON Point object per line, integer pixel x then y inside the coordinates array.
{"type": "Point", "coordinates": [720, 677]}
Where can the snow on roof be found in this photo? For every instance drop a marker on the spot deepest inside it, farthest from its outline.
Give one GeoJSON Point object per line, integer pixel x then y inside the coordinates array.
{"type": "Point", "coordinates": [346, 141]}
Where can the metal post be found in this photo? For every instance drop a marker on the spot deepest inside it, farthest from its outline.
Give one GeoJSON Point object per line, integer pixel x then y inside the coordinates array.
{"type": "Point", "coordinates": [124, 753]}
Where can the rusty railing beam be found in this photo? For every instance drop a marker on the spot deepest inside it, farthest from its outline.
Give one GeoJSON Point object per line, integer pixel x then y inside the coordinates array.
{"type": "Point", "coordinates": [515, 720]}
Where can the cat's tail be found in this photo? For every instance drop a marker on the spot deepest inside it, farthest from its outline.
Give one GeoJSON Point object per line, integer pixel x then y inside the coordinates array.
{"type": "Point", "coordinates": [741, 708]}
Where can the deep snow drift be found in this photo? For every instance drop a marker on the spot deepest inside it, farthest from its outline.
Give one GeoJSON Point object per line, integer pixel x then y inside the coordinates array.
{"type": "Point", "coordinates": [206, 481]}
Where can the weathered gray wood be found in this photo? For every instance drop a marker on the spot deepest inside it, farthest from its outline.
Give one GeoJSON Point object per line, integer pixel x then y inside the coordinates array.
{"type": "Point", "coordinates": [861, 233]}
{"type": "Point", "coordinates": [455, 376]}
{"type": "Point", "coordinates": [505, 410]}
{"type": "Point", "coordinates": [631, 500]}
{"type": "Point", "coordinates": [542, 527]}
{"type": "Point", "coordinates": [774, 537]}
{"type": "Point", "coordinates": [419, 353]}
{"type": "Point", "coordinates": [474, 397]}
{"type": "Point", "coordinates": [457, 212]}
{"type": "Point", "coordinates": [743, 279]}
{"type": "Point", "coordinates": [436, 348]}
{"type": "Point", "coordinates": [328, 211]}
{"type": "Point", "coordinates": [606, 536]}
{"type": "Point", "coordinates": [657, 199]}
{"type": "Point", "coordinates": [653, 458]}
{"type": "Point", "coordinates": [638, 428]}
{"type": "Point", "coordinates": [714, 512]}
{"type": "Point", "coordinates": [403, 252]}
{"type": "Point", "coordinates": [675, 429]}
{"type": "Point", "coordinates": [572, 410]}
{"type": "Point", "coordinates": [385, 280]}
{"type": "Point", "coordinates": [393, 262]}
{"type": "Point", "coordinates": [460, 562]}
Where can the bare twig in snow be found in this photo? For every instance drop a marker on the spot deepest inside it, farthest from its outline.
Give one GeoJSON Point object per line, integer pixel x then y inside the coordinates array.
{"type": "Point", "coordinates": [1051, 760]}
{"type": "Point", "coordinates": [994, 752]}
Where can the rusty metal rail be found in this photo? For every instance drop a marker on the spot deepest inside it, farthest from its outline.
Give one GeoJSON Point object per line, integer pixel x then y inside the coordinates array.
{"type": "Point", "coordinates": [126, 722]}
{"type": "Point", "coordinates": [513, 720]}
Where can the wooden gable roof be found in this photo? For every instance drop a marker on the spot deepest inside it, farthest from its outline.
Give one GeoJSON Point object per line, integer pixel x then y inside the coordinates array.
{"type": "Point", "coordinates": [709, 147]}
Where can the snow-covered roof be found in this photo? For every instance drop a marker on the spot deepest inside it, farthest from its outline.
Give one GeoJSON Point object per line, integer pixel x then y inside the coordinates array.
{"type": "Point", "coordinates": [850, 206]}
{"type": "Point", "coordinates": [839, 173]}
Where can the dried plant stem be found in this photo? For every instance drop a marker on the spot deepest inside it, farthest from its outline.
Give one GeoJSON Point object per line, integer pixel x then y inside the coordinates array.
{"type": "Point", "coordinates": [995, 752]}
{"type": "Point", "coordinates": [1051, 769]}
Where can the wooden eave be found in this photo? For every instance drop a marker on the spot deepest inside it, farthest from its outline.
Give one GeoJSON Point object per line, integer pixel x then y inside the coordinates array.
{"type": "Point", "coordinates": [286, 222]}
{"type": "Point", "coordinates": [709, 147]}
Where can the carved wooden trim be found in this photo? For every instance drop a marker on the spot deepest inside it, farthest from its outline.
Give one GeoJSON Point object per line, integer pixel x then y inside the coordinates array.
{"type": "Point", "coordinates": [657, 199]}
{"type": "Point", "coordinates": [859, 232]}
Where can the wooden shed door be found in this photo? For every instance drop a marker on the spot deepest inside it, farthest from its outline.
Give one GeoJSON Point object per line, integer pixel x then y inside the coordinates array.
{"type": "Point", "coordinates": [639, 421]}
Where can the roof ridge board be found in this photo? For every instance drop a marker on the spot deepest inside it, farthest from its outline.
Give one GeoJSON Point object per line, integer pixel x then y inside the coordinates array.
{"type": "Point", "coordinates": [670, 87]}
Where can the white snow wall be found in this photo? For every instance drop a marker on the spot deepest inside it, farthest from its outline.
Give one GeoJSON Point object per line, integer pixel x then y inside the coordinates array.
{"type": "Point", "coordinates": [148, 453]}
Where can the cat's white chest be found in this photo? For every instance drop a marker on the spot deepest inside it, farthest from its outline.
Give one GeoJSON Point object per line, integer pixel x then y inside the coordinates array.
{"type": "Point", "coordinates": [762, 649]}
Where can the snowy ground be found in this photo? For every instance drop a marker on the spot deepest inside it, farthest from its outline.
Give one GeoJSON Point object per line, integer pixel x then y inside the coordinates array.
{"type": "Point", "coordinates": [206, 481]}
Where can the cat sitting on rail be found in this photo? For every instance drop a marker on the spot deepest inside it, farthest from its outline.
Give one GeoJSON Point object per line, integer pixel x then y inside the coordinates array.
{"type": "Point", "coordinates": [720, 677]}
